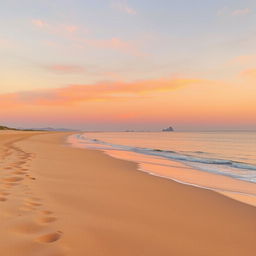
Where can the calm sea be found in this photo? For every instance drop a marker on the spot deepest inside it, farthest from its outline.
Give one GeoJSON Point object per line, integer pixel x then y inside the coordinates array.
{"type": "Point", "coordinates": [227, 153]}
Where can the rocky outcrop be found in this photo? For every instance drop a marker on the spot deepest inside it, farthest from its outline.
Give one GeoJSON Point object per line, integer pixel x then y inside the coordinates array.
{"type": "Point", "coordinates": [169, 129]}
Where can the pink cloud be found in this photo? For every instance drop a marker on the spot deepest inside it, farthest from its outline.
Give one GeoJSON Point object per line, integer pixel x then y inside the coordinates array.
{"type": "Point", "coordinates": [241, 12]}
{"type": "Point", "coordinates": [70, 32]}
{"type": "Point", "coordinates": [123, 7]}
{"type": "Point", "coordinates": [116, 43]}
{"type": "Point", "coordinates": [225, 11]}
{"type": "Point", "coordinates": [244, 59]}
{"type": "Point", "coordinates": [65, 69]}
{"type": "Point", "coordinates": [71, 28]}
{"type": "Point", "coordinates": [39, 23]}
{"type": "Point", "coordinates": [96, 92]}
{"type": "Point", "coordinates": [222, 11]}
{"type": "Point", "coordinates": [250, 73]}
{"type": "Point", "coordinates": [55, 28]}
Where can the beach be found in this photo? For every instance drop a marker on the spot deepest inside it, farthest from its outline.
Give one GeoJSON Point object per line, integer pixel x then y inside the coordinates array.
{"type": "Point", "coordinates": [58, 200]}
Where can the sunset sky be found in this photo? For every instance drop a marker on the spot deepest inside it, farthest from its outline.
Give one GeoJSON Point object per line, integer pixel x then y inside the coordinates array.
{"type": "Point", "coordinates": [134, 64]}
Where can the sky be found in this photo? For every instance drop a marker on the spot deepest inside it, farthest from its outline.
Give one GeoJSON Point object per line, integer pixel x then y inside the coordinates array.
{"type": "Point", "coordinates": [114, 65]}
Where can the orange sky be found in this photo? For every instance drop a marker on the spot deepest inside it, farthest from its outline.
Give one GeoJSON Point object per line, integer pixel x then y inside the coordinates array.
{"type": "Point", "coordinates": [130, 65]}
{"type": "Point", "coordinates": [180, 101]}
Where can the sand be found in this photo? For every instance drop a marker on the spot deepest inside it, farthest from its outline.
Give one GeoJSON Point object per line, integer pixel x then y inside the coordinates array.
{"type": "Point", "coordinates": [56, 200]}
{"type": "Point", "coordinates": [237, 189]}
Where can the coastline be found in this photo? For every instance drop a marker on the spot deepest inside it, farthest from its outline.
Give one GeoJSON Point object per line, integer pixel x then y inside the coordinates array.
{"type": "Point", "coordinates": [79, 187]}
{"type": "Point", "coordinates": [175, 170]}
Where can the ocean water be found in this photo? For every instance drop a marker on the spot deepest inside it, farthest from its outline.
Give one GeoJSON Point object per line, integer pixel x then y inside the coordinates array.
{"type": "Point", "coordinates": [227, 154]}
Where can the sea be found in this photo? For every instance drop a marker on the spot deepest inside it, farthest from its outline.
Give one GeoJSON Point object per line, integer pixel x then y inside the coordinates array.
{"type": "Point", "coordinates": [228, 154]}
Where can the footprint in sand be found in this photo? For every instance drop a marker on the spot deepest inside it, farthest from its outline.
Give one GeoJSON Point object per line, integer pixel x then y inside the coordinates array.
{"type": "Point", "coordinates": [20, 162]}
{"type": "Point", "coordinates": [32, 203]}
{"type": "Point", "coordinates": [35, 204]}
{"type": "Point", "coordinates": [46, 212]}
{"type": "Point", "coordinates": [13, 179]}
{"type": "Point", "coordinates": [3, 199]}
{"type": "Point", "coordinates": [8, 185]}
{"type": "Point", "coordinates": [50, 237]}
{"type": "Point", "coordinates": [3, 193]}
{"type": "Point", "coordinates": [19, 172]}
{"type": "Point", "coordinates": [30, 177]}
{"type": "Point", "coordinates": [47, 219]}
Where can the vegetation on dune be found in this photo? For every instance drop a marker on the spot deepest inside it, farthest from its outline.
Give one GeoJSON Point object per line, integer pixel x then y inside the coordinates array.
{"type": "Point", "coordinates": [15, 129]}
{"type": "Point", "coordinates": [6, 128]}
{"type": "Point", "coordinates": [36, 129]}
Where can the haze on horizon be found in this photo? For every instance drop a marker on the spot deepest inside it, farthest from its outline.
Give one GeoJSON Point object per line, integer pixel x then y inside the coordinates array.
{"type": "Point", "coordinates": [126, 64]}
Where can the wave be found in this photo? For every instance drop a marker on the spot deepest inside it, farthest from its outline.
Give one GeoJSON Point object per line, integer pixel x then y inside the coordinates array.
{"type": "Point", "coordinates": [176, 155]}
{"type": "Point", "coordinates": [228, 167]}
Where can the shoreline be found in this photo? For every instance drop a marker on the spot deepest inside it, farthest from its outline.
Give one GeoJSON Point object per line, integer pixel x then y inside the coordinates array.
{"type": "Point", "coordinates": [242, 191]}
{"type": "Point", "coordinates": [83, 202]}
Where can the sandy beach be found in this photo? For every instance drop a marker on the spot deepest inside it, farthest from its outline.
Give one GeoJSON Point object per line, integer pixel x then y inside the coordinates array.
{"type": "Point", "coordinates": [57, 200]}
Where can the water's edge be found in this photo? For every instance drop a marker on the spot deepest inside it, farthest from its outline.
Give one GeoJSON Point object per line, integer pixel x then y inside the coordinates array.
{"type": "Point", "coordinates": [114, 151]}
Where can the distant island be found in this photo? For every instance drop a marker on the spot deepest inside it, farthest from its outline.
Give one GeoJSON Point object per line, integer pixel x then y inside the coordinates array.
{"type": "Point", "coordinates": [169, 129]}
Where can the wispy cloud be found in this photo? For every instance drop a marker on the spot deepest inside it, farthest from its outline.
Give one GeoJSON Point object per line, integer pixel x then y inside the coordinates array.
{"type": "Point", "coordinates": [241, 12]}
{"type": "Point", "coordinates": [71, 28]}
{"type": "Point", "coordinates": [123, 7]}
{"type": "Point", "coordinates": [116, 43]}
{"type": "Point", "coordinates": [80, 38]}
{"type": "Point", "coordinates": [65, 69]}
{"type": "Point", "coordinates": [249, 73]}
{"type": "Point", "coordinates": [244, 59]}
{"type": "Point", "coordinates": [222, 11]}
{"type": "Point", "coordinates": [39, 23]}
{"type": "Point", "coordinates": [55, 28]}
{"type": "Point", "coordinates": [226, 11]}
{"type": "Point", "coordinates": [74, 94]}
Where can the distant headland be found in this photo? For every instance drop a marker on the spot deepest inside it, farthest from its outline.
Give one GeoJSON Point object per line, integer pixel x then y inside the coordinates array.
{"type": "Point", "coordinates": [48, 129]}
{"type": "Point", "coordinates": [6, 128]}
